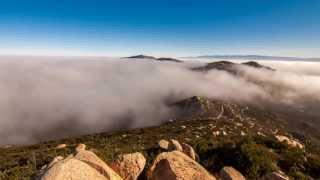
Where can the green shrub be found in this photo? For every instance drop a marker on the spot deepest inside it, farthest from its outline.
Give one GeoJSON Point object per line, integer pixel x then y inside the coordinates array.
{"type": "Point", "coordinates": [255, 160]}
{"type": "Point", "coordinates": [292, 159]}
{"type": "Point", "coordinates": [270, 142]}
{"type": "Point", "coordinates": [299, 176]}
{"type": "Point", "coordinates": [251, 159]}
{"type": "Point", "coordinates": [313, 166]}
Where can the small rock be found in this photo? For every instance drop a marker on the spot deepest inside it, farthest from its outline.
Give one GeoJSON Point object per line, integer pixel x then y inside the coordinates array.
{"type": "Point", "coordinates": [275, 176]}
{"type": "Point", "coordinates": [242, 133]}
{"type": "Point", "coordinates": [216, 133]}
{"type": "Point", "coordinates": [43, 168]}
{"type": "Point", "coordinates": [80, 147]}
{"type": "Point", "coordinates": [61, 146]}
{"type": "Point", "coordinates": [260, 134]}
{"type": "Point", "coordinates": [229, 173]}
{"type": "Point", "coordinates": [164, 144]}
{"type": "Point", "coordinates": [183, 127]}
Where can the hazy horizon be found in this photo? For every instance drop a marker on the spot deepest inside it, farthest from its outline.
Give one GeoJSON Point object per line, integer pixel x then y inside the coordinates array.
{"type": "Point", "coordinates": [213, 55]}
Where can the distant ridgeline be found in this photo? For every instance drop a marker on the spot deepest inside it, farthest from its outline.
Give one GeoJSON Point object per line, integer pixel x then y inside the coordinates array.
{"type": "Point", "coordinates": [154, 58]}
{"type": "Point", "coordinates": [257, 57]}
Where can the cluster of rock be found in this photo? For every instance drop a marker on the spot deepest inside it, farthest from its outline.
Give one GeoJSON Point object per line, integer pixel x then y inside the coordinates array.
{"type": "Point", "coordinates": [290, 142]}
{"type": "Point", "coordinates": [178, 162]}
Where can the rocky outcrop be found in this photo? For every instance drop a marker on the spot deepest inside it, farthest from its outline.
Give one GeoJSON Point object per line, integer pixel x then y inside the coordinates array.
{"type": "Point", "coordinates": [83, 165]}
{"type": "Point", "coordinates": [290, 142]}
{"type": "Point", "coordinates": [129, 166]}
{"type": "Point", "coordinates": [275, 176]}
{"type": "Point", "coordinates": [229, 173]}
{"type": "Point", "coordinates": [175, 145]}
{"type": "Point", "coordinates": [176, 165]}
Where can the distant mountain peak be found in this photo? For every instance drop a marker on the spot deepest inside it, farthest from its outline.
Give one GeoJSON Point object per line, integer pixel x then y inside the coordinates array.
{"type": "Point", "coordinates": [141, 56]}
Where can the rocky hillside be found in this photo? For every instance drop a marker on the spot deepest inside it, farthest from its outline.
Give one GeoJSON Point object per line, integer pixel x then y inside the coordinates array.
{"type": "Point", "coordinates": [207, 139]}
{"type": "Point", "coordinates": [230, 66]}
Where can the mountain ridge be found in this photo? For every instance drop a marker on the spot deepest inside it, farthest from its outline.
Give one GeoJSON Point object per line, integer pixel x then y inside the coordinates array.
{"type": "Point", "coordinates": [259, 57]}
{"type": "Point", "coordinates": [141, 56]}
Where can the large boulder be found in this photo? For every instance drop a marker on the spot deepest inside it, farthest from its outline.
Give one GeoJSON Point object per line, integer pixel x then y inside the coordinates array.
{"type": "Point", "coordinates": [95, 162]}
{"type": "Point", "coordinates": [275, 176]}
{"type": "Point", "coordinates": [229, 173]}
{"type": "Point", "coordinates": [129, 166]}
{"type": "Point", "coordinates": [175, 165]}
{"type": "Point", "coordinates": [72, 169]}
{"type": "Point", "coordinates": [83, 165]}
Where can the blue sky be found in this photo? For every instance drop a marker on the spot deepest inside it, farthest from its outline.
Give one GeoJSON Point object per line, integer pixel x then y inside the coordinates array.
{"type": "Point", "coordinates": [164, 27]}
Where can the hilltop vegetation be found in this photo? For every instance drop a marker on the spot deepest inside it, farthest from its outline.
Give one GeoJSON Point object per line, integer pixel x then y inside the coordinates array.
{"type": "Point", "coordinates": [239, 136]}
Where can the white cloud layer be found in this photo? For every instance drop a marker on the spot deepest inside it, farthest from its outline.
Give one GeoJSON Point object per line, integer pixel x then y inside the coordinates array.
{"type": "Point", "coordinates": [45, 98]}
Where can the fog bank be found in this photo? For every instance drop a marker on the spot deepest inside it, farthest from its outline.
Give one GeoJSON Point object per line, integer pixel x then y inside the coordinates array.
{"type": "Point", "coordinates": [49, 98]}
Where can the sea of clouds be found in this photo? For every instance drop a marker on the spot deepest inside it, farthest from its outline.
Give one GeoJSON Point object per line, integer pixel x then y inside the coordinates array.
{"type": "Point", "coordinates": [43, 98]}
